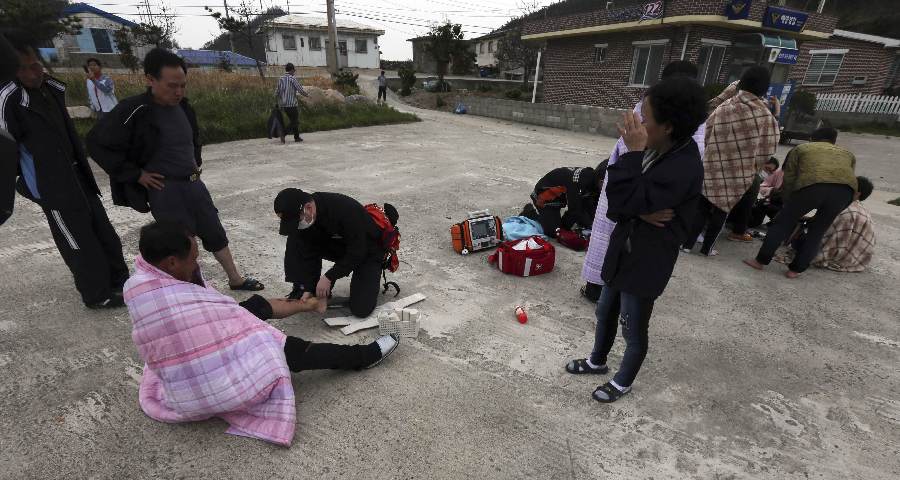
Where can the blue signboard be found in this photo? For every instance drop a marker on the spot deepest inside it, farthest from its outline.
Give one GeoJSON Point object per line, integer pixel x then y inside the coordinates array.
{"type": "Point", "coordinates": [784, 19]}
{"type": "Point", "coordinates": [738, 9]}
{"type": "Point", "coordinates": [787, 57]}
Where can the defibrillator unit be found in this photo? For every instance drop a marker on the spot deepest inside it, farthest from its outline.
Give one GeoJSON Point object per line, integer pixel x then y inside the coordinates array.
{"type": "Point", "coordinates": [480, 231]}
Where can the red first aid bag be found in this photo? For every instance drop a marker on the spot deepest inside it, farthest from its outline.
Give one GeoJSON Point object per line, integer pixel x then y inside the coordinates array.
{"type": "Point", "coordinates": [526, 257]}
{"type": "Point", "coordinates": [573, 240]}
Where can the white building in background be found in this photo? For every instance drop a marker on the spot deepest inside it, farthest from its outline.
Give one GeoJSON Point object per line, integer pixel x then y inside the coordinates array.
{"type": "Point", "coordinates": [301, 40]}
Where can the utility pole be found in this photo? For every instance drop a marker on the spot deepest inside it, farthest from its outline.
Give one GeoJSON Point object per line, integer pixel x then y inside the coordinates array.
{"type": "Point", "coordinates": [331, 56]}
{"type": "Point", "coordinates": [230, 35]}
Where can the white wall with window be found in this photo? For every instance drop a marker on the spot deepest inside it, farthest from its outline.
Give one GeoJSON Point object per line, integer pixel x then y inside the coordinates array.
{"type": "Point", "coordinates": [304, 47]}
{"type": "Point", "coordinates": [647, 62]}
{"type": "Point", "coordinates": [824, 66]}
{"type": "Point", "coordinates": [710, 60]}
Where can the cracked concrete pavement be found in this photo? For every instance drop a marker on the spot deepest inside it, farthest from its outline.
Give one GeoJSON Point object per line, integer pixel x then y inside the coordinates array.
{"type": "Point", "coordinates": [749, 375]}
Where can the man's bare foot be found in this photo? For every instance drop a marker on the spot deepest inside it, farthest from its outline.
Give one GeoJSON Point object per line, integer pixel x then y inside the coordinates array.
{"type": "Point", "coordinates": [791, 274]}
{"type": "Point", "coordinates": [321, 305]}
{"type": "Point", "coordinates": [752, 263]}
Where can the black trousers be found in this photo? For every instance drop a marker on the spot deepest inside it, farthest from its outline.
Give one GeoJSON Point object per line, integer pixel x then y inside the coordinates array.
{"type": "Point", "coordinates": [827, 199]}
{"type": "Point", "coordinates": [739, 216]}
{"type": "Point", "coordinates": [710, 217]}
{"type": "Point", "coordinates": [293, 114]}
{"type": "Point", "coordinates": [382, 93]}
{"type": "Point", "coordinates": [303, 355]}
{"type": "Point", "coordinates": [303, 265]}
{"type": "Point", "coordinates": [90, 247]}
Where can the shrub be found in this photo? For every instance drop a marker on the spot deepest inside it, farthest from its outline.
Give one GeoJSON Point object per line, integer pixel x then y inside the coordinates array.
{"type": "Point", "coordinates": [514, 94]}
{"type": "Point", "coordinates": [803, 102]}
{"type": "Point", "coordinates": [895, 201]}
{"type": "Point", "coordinates": [484, 88]}
{"type": "Point", "coordinates": [345, 82]}
{"type": "Point", "coordinates": [407, 80]}
{"type": "Point", "coordinates": [439, 101]}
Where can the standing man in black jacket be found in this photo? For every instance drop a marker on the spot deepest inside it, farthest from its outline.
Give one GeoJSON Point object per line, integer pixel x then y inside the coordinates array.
{"type": "Point", "coordinates": [149, 145]}
{"type": "Point", "coordinates": [333, 227]}
{"type": "Point", "coordinates": [54, 173]}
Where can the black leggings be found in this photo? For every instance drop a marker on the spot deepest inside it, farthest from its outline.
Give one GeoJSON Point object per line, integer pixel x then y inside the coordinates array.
{"type": "Point", "coordinates": [303, 355]}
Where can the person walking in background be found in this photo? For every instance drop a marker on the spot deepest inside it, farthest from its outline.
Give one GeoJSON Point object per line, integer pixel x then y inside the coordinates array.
{"type": "Point", "coordinates": [100, 88]}
{"type": "Point", "coordinates": [286, 94]}
{"type": "Point", "coordinates": [382, 88]}
{"type": "Point", "coordinates": [741, 135]}
{"type": "Point", "coordinates": [149, 144]}
{"type": "Point", "coordinates": [54, 173]}
{"type": "Point", "coordinates": [602, 226]}
{"type": "Point", "coordinates": [818, 176]}
{"type": "Point", "coordinates": [652, 193]}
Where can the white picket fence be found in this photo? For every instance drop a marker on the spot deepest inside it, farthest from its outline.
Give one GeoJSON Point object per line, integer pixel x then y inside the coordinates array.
{"type": "Point", "coordinates": [857, 103]}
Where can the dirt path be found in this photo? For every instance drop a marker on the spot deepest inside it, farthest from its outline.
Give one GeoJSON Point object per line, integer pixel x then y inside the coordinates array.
{"type": "Point", "coordinates": [749, 375]}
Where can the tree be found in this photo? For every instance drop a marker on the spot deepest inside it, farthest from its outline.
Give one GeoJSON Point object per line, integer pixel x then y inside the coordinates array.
{"type": "Point", "coordinates": [513, 52]}
{"type": "Point", "coordinates": [444, 43]}
{"type": "Point", "coordinates": [158, 27]}
{"type": "Point", "coordinates": [242, 25]}
{"type": "Point", "coordinates": [124, 44]}
{"type": "Point", "coordinates": [36, 22]}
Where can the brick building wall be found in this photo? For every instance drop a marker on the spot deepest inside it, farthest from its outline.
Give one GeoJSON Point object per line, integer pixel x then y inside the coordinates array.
{"type": "Point", "coordinates": [673, 8]}
{"type": "Point", "coordinates": [863, 59]}
{"type": "Point", "coordinates": [571, 76]}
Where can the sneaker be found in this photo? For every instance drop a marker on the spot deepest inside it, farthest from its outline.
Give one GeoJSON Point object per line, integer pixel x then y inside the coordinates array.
{"type": "Point", "coordinates": [115, 301]}
{"type": "Point", "coordinates": [296, 292]}
{"type": "Point", "coordinates": [298, 139]}
{"type": "Point", "coordinates": [387, 344]}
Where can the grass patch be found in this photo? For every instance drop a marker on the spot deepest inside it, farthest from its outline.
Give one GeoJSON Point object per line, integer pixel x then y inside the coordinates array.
{"type": "Point", "coordinates": [876, 129]}
{"type": "Point", "coordinates": [236, 107]}
{"type": "Point", "coordinates": [895, 201]}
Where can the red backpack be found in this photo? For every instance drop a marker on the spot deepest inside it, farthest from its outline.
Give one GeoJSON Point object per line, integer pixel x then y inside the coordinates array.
{"type": "Point", "coordinates": [390, 236]}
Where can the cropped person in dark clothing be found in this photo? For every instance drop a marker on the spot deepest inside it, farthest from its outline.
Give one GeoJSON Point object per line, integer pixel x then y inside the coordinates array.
{"type": "Point", "coordinates": [574, 188]}
{"type": "Point", "coordinates": [9, 66]}
{"type": "Point", "coordinates": [334, 227]}
{"type": "Point", "coordinates": [653, 192]}
{"type": "Point", "coordinates": [53, 172]}
{"type": "Point", "coordinates": [149, 144]}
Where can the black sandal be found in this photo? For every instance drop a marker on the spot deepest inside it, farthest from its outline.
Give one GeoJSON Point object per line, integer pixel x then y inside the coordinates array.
{"type": "Point", "coordinates": [581, 367]}
{"type": "Point", "coordinates": [612, 393]}
{"type": "Point", "coordinates": [250, 284]}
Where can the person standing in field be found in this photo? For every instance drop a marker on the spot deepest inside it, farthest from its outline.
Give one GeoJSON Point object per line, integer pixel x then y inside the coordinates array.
{"type": "Point", "coordinates": [286, 93]}
{"type": "Point", "coordinates": [382, 88]}
{"type": "Point", "coordinates": [100, 88]}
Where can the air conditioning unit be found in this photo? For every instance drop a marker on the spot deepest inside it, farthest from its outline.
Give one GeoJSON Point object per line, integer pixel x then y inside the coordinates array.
{"type": "Point", "coordinates": [858, 81]}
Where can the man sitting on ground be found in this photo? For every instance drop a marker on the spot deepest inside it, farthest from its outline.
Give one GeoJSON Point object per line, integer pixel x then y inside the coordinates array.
{"type": "Point", "coordinates": [334, 227]}
{"type": "Point", "coordinates": [817, 176]}
{"type": "Point", "coordinates": [741, 215]}
{"type": "Point", "coordinates": [849, 244]}
{"type": "Point", "coordinates": [205, 355]}
{"type": "Point", "coordinates": [574, 188]}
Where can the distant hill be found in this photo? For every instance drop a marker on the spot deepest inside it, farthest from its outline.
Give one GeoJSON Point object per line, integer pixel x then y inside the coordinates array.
{"type": "Point", "coordinates": [240, 44]}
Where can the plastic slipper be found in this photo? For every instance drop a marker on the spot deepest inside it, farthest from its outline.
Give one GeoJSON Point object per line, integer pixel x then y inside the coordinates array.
{"type": "Point", "coordinates": [250, 284]}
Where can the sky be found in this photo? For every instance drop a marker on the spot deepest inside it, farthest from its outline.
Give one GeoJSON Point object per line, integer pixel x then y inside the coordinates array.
{"type": "Point", "coordinates": [400, 19]}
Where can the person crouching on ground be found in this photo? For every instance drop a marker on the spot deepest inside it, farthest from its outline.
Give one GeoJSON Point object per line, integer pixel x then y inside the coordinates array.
{"type": "Point", "coordinates": [206, 355]}
{"type": "Point", "coordinates": [653, 191]}
{"type": "Point", "coordinates": [574, 188]}
{"type": "Point", "coordinates": [817, 176]}
{"type": "Point", "coordinates": [334, 227]}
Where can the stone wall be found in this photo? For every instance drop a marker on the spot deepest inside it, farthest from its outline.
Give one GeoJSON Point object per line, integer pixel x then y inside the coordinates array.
{"type": "Point", "coordinates": [844, 119]}
{"type": "Point", "coordinates": [577, 118]}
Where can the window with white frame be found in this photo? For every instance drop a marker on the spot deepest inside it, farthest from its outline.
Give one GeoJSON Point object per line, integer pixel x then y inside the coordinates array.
{"type": "Point", "coordinates": [302, 44]}
{"type": "Point", "coordinates": [824, 67]}
{"type": "Point", "coordinates": [362, 46]}
{"type": "Point", "coordinates": [491, 46]}
{"type": "Point", "coordinates": [600, 52]}
{"type": "Point", "coordinates": [646, 64]}
{"type": "Point", "coordinates": [709, 63]}
{"type": "Point", "coordinates": [894, 76]}
{"type": "Point", "coordinates": [481, 47]}
{"type": "Point", "coordinates": [289, 42]}
{"type": "Point", "coordinates": [315, 43]}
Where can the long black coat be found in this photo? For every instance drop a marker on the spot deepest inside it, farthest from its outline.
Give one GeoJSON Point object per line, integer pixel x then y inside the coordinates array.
{"type": "Point", "coordinates": [641, 257]}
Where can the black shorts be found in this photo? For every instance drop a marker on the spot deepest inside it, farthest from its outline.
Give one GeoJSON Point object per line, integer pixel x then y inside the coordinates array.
{"type": "Point", "coordinates": [190, 204]}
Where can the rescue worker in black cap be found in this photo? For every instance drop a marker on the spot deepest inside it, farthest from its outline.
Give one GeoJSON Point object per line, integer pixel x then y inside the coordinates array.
{"type": "Point", "coordinates": [333, 227]}
{"type": "Point", "coordinates": [576, 189]}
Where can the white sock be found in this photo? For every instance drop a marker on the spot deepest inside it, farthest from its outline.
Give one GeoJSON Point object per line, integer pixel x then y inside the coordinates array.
{"type": "Point", "coordinates": [591, 364]}
{"type": "Point", "coordinates": [619, 387]}
{"type": "Point", "coordinates": [386, 343]}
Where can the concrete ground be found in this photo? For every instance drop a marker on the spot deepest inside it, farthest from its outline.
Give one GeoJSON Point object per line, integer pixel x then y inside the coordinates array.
{"type": "Point", "coordinates": [749, 375]}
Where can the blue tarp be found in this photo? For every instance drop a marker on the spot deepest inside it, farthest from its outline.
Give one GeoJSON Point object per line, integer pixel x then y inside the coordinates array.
{"type": "Point", "coordinates": [515, 228]}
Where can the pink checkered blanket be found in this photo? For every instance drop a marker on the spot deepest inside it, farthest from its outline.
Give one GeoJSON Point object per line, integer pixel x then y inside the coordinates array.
{"type": "Point", "coordinates": [206, 356]}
